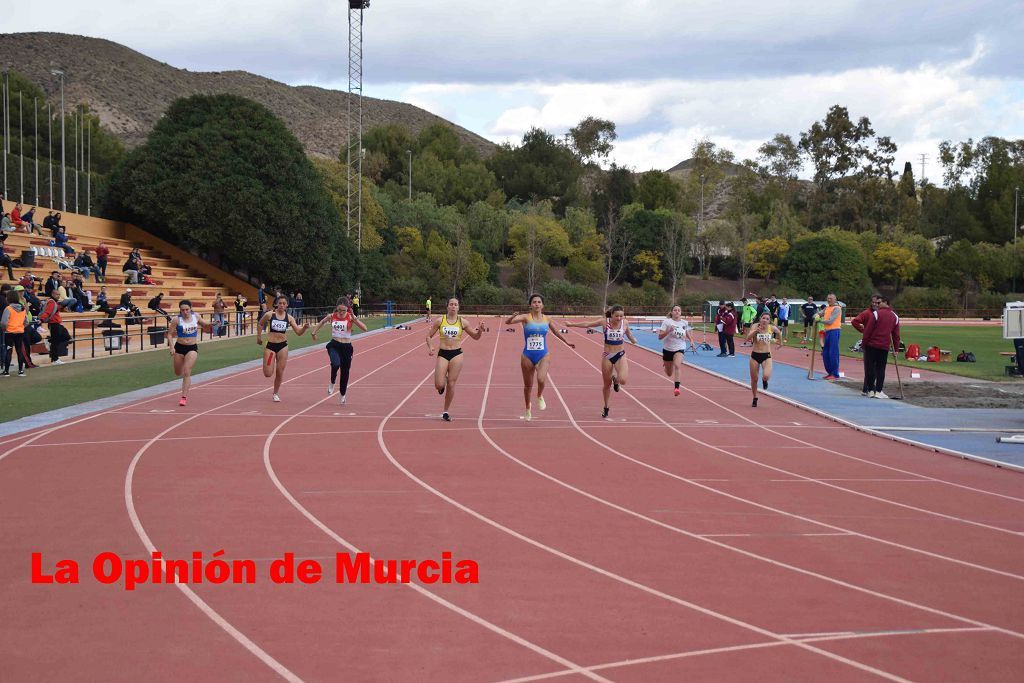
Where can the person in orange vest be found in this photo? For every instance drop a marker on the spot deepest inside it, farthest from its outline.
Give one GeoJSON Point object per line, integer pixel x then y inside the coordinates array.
{"type": "Point", "coordinates": [832, 319]}
{"type": "Point", "coordinates": [13, 325]}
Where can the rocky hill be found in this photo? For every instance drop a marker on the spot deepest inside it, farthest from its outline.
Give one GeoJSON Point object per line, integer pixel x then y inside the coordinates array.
{"type": "Point", "coordinates": [130, 91]}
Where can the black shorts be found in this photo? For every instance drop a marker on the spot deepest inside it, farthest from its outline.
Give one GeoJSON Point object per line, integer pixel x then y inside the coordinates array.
{"type": "Point", "coordinates": [448, 354]}
{"type": "Point", "coordinates": [276, 346]}
{"type": "Point", "coordinates": [808, 323]}
{"type": "Point", "coordinates": [669, 356]}
{"type": "Point", "coordinates": [745, 326]}
{"type": "Point", "coordinates": [182, 349]}
{"type": "Point", "coordinates": [614, 357]}
{"type": "Point", "coordinates": [759, 357]}
{"type": "Point", "coordinates": [784, 323]}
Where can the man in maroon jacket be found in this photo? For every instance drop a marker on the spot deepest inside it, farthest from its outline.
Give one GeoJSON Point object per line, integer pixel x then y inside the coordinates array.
{"type": "Point", "coordinates": [859, 323]}
{"type": "Point", "coordinates": [881, 333]}
{"type": "Point", "coordinates": [725, 323]}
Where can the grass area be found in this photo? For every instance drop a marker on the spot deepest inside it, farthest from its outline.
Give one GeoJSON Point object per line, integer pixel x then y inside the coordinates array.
{"type": "Point", "coordinates": [49, 388]}
{"type": "Point", "coordinates": [985, 342]}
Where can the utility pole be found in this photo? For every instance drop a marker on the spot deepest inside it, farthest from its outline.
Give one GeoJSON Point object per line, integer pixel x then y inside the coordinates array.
{"type": "Point", "coordinates": [49, 144]}
{"type": "Point", "coordinates": [924, 160]}
{"type": "Point", "coordinates": [63, 172]}
{"type": "Point", "coordinates": [35, 117]}
{"type": "Point", "coordinates": [409, 152]}
{"type": "Point", "coordinates": [1016, 229]}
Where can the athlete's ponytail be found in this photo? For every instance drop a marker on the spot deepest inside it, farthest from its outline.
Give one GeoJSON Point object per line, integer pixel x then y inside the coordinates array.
{"type": "Point", "coordinates": [611, 311]}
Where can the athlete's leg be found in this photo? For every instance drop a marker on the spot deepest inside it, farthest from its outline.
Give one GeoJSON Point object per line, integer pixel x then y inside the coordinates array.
{"type": "Point", "coordinates": [542, 374]}
{"type": "Point", "coordinates": [282, 363]}
{"type": "Point", "coordinates": [766, 372]}
{"type": "Point", "coordinates": [269, 357]}
{"type": "Point", "coordinates": [669, 364]}
{"type": "Point", "coordinates": [529, 369]}
{"type": "Point", "coordinates": [454, 369]}
{"type": "Point", "coordinates": [606, 379]}
{"type": "Point", "coordinates": [186, 371]}
{"type": "Point", "coordinates": [335, 355]}
{"type": "Point", "coordinates": [347, 351]}
{"type": "Point", "coordinates": [178, 360]}
{"type": "Point", "coordinates": [754, 367]}
{"type": "Point", "coordinates": [440, 374]}
{"type": "Point", "coordinates": [677, 363]}
{"type": "Point", "coordinates": [622, 371]}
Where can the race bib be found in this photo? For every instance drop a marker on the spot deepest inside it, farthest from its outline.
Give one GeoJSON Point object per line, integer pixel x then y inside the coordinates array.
{"type": "Point", "coordinates": [450, 332]}
{"type": "Point", "coordinates": [339, 326]}
{"type": "Point", "coordinates": [189, 329]}
{"type": "Point", "coordinates": [679, 333]}
{"type": "Point", "coordinates": [535, 342]}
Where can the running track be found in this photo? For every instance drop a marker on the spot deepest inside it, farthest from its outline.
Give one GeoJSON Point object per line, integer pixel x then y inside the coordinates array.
{"type": "Point", "coordinates": [686, 538]}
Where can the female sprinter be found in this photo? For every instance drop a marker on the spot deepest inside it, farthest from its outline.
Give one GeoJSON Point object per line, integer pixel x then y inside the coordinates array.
{"type": "Point", "coordinates": [339, 349]}
{"type": "Point", "coordinates": [614, 366]}
{"type": "Point", "coordinates": [449, 352]}
{"type": "Point", "coordinates": [185, 350]}
{"type": "Point", "coordinates": [674, 333]}
{"type": "Point", "coordinates": [278, 321]}
{"type": "Point", "coordinates": [760, 354]}
{"type": "Point", "coordinates": [535, 358]}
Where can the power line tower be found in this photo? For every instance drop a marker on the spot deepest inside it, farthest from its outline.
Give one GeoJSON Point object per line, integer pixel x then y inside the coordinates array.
{"type": "Point", "coordinates": [354, 129]}
{"type": "Point", "coordinates": [924, 160]}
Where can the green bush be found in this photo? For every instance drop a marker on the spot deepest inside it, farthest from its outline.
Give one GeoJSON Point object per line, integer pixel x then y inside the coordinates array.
{"type": "Point", "coordinates": [818, 265]}
{"type": "Point", "coordinates": [922, 298]}
{"type": "Point", "coordinates": [562, 293]}
{"type": "Point", "coordinates": [991, 301]}
{"type": "Point", "coordinates": [649, 295]}
{"type": "Point", "coordinates": [486, 294]}
{"type": "Point", "coordinates": [408, 290]}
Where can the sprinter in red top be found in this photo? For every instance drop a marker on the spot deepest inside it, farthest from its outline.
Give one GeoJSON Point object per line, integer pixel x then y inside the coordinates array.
{"type": "Point", "coordinates": [339, 349]}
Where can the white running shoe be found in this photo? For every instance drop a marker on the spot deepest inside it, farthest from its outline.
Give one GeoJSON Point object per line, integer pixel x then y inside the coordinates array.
{"type": "Point", "coordinates": [527, 415]}
{"type": "Point", "coordinates": [277, 399]}
{"type": "Point", "coordinates": [57, 362]}
{"type": "Point", "coordinates": [343, 400]}
{"type": "Point", "coordinates": [330, 389]}
{"type": "Point", "coordinates": [879, 394]}
{"type": "Point", "coordinates": [870, 394]}
{"type": "Point", "coordinates": [541, 404]}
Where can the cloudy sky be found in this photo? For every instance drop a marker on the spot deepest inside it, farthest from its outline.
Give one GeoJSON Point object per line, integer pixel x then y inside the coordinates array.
{"type": "Point", "coordinates": [667, 72]}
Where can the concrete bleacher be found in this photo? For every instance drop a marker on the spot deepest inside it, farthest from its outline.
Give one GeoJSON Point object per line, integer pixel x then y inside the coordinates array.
{"type": "Point", "coordinates": [176, 273]}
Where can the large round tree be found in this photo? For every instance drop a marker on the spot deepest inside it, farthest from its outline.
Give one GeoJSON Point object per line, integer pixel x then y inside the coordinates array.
{"type": "Point", "coordinates": [818, 265]}
{"type": "Point", "coordinates": [222, 175]}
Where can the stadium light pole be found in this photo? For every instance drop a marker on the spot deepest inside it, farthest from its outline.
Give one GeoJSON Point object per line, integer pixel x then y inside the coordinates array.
{"type": "Point", "coordinates": [409, 152]}
{"type": "Point", "coordinates": [63, 173]}
{"type": "Point", "coordinates": [49, 145]}
{"type": "Point", "coordinates": [21, 153]}
{"type": "Point", "coordinates": [701, 202]}
{"type": "Point", "coordinates": [35, 117]}
{"type": "Point", "coordinates": [1016, 229]}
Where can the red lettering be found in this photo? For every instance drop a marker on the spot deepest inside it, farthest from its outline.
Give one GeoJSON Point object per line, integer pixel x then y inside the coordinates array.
{"type": "Point", "coordinates": [467, 571]}
{"type": "Point", "coordinates": [348, 570]}
{"type": "Point", "coordinates": [407, 567]}
{"type": "Point", "coordinates": [107, 567]}
{"type": "Point", "coordinates": [135, 572]}
{"type": "Point", "coordinates": [283, 570]}
{"type": "Point", "coordinates": [310, 571]}
{"type": "Point", "coordinates": [66, 571]}
{"type": "Point", "coordinates": [428, 571]}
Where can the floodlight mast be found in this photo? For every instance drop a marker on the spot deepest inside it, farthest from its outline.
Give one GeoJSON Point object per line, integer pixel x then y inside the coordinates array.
{"type": "Point", "coordinates": [354, 121]}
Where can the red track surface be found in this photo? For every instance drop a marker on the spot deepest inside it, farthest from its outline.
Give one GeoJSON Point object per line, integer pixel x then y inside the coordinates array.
{"type": "Point", "coordinates": [690, 540]}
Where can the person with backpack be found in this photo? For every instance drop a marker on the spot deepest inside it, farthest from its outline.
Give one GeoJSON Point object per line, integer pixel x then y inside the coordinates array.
{"type": "Point", "coordinates": [59, 335]}
{"type": "Point", "coordinates": [881, 334]}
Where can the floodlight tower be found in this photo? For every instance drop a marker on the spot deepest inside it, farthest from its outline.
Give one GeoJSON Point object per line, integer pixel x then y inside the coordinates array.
{"type": "Point", "coordinates": [354, 130]}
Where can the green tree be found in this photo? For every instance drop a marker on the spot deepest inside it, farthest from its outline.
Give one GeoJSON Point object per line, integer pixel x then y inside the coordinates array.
{"type": "Point", "coordinates": [657, 190]}
{"type": "Point", "coordinates": [648, 265]}
{"type": "Point", "coordinates": [592, 138]}
{"type": "Point", "coordinates": [538, 241]}
{"type": "Point", "coordinates": [221, 174]}
{"type": "Point", "coordinates": [539, 168]}
{"type": "Point", "coordinates": [817, 265]}
{"type": "Point", "coordinates": [766, 255]}
{"type": "Point", "coordinates": [893, 262]}
{"type": "Point", "coordinates": [678, 234]}
{"type": "Point", "coordinates": [335, 181]}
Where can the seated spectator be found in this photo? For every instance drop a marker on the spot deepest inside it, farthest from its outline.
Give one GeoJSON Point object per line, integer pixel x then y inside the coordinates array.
{"type": "Point", "coordinates": [51, 283]}
{"type": "Point", "coordinates": [102, 252]}
{"type": "Point", "coordinates": [102, 304]}
{"type": "Point", "coordinates": [5, 260]}
{"type": "Point", "coordinates": [85, 266]}
{"type": "Point", "coordinates": [49, 223]}
{"type": "Point", "coordinates": [78, 291]}
{"type": "Point", "coordinates": [16, 220]}
{"type": "Point", "coordinates": [56, 223]}
{"type": "Point", "coordinates": [131, 268]}
{"type": "Point", "coordinates": [126, 305]}
{"type": "Point", "coordinates": [5, 222]}
{"type": "Point", "coordinates": [155, 305]}
{"type": "Point", "coordinates": [61, 240]}
{"type": "Point", "coordinates": [66, 296]}
{"type": "Point", "coordinates": [30, 219]}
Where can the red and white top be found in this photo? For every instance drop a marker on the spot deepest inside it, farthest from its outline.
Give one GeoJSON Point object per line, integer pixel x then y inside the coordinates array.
{"type": "Point", "coordinates": [341, 327]}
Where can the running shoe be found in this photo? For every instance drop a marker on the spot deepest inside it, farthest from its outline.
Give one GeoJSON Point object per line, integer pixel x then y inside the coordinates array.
{"type": "Point", "coordinates": [21, 373]}
{"type": "Point", "coordinates": [527, 415]}
{"type": "Point", "coordinates": [764, 383]}
{"type": "Point", "coordinates": [830, 377]}
{"type": "Point", "coordinates": [183, 401]}
{"type": "Point", "coordinates": [330, 389]}
{"type": "Point", "coordinates": [604, 412]}
{"type": "Point", "coordinates": [5, 374]}
{"type": "Point", "coordinates": [865, 393]}
{"type": "Point", "coordinates": [675, 392]}
{"type": "Point", "coordinates": [754, 403]}
{"type": "Point", "coordinates": [446, 417]}
{"type": "Point", "coordinates": [879, 394]}
{"type": "Point", "coordinates": [541, 404]}
{"type": "Point", "coordinates": [277, 399]}
{"type": "Point", "coordinates": [615, 385]}
{"type": "Point", "coordinates": [57, 362]}
{"type": "Point", "coordinates": [343, 400]}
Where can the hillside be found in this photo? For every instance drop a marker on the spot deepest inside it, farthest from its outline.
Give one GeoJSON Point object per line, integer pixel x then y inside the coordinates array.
{"type": "Point", "coordinates": [130, 91]}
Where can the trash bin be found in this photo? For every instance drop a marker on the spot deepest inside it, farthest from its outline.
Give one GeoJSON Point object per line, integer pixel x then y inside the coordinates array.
{"type": "Point", "coordinates": [112, 339]}
{"type": "Point", "coordinates": [156, 335]}
{"type": "Point", "coordinates": [28, 258]}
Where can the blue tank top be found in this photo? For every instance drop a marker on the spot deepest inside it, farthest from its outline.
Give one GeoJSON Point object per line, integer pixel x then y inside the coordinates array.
{"type": "Point", "coordinates": [188, 329]}
{"type": "Point", "coordinates": [535, 334]}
